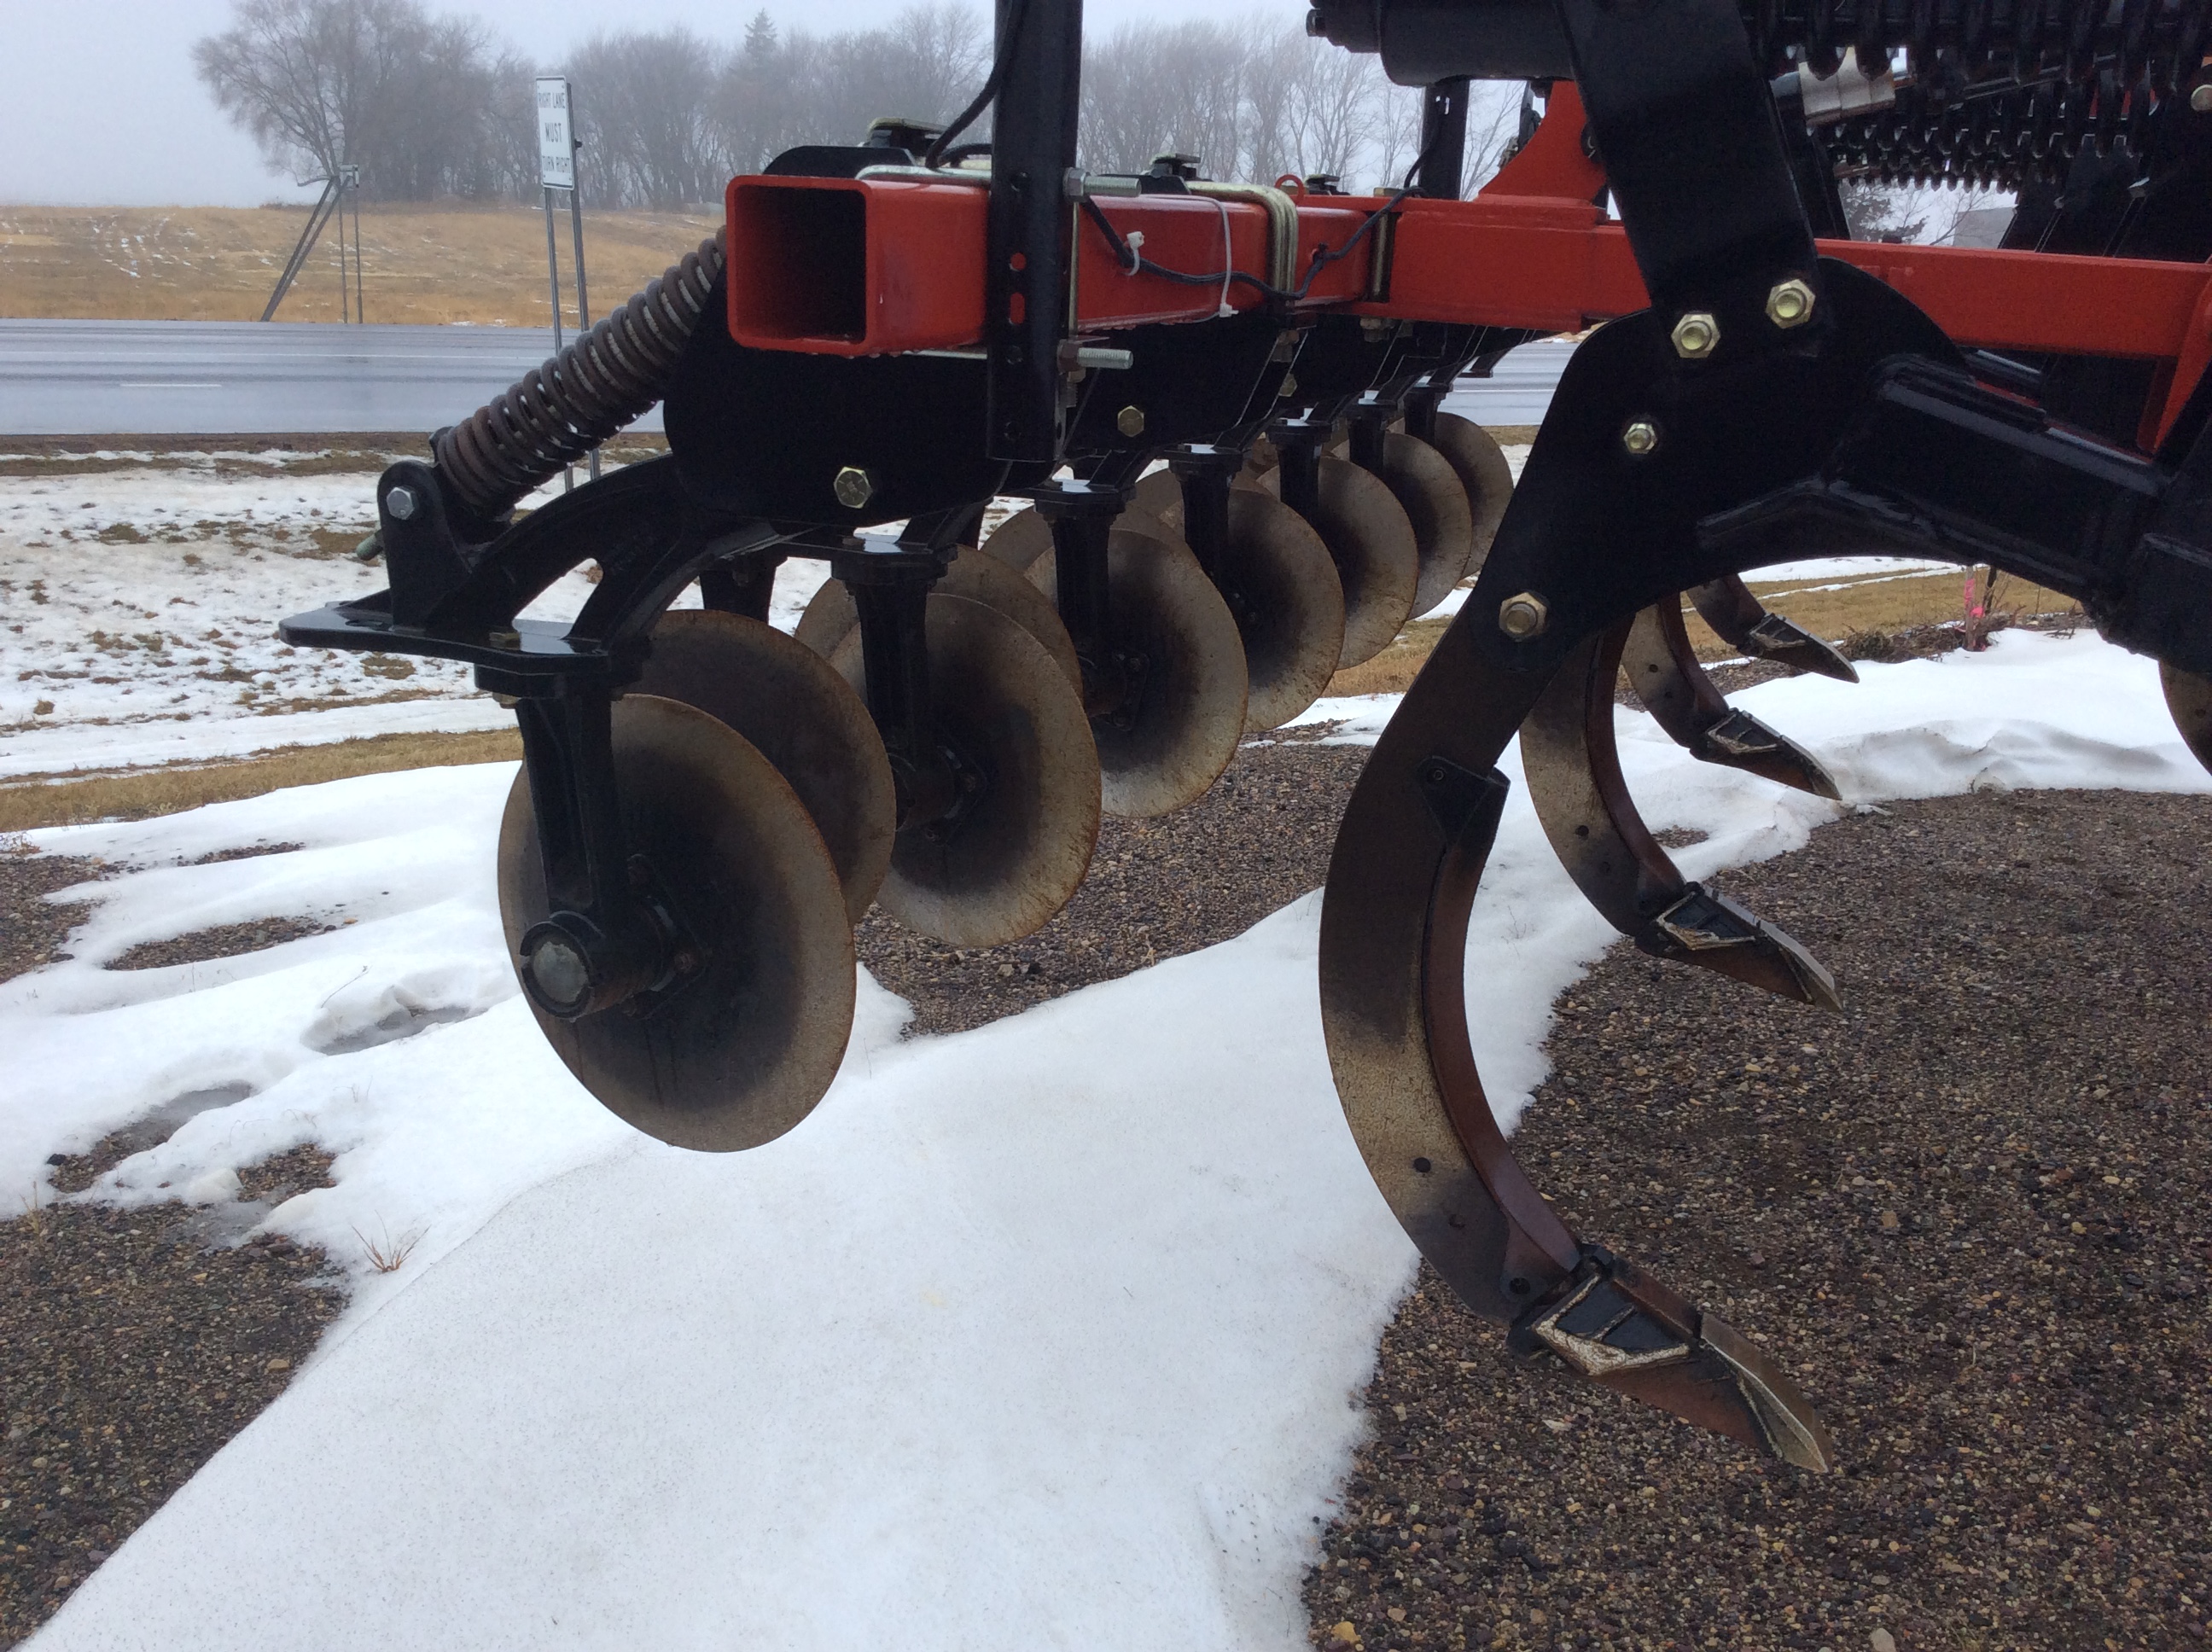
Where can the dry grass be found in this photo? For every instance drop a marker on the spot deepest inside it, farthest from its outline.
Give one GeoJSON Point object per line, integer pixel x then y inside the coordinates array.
{"type": "Point", "coordinates": [29, 803]}
{"type": "Point", "coordinates": [421, 262]}
{"type": "Point", "coordinates": [1874, 603]}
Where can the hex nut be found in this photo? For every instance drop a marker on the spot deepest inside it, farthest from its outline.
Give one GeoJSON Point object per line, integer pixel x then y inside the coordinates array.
{"type": "Point", "coordinates": [853, 487]}
{"type": "Point", "coordinates": [1290, 386]}
{"type": "Point", "coordinates": [1696, 334]}
{"type": "Point", "coordinates": [1790, 303]}
{"type": "Point", "coordinates": [1130, 422]}
{"type": "Point", "coordinates": [2200, 99]}
{"type": "Point", "coordinates": [1640, 438]}
{"type": "Point", "coordinates": [1523, 617]}
{"type": "Point", "coordinates": [399, 504]}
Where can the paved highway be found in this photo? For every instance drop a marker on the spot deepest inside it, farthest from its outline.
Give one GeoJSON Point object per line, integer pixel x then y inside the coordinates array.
{"type": "Point", "coordinates": [215, 378]}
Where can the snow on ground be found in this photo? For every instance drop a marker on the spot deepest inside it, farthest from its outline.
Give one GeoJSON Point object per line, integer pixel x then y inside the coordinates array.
{"type": "Point", "coordinates": [1047, 1334]}
{"type": "Point", "coordinates": [138, 612]}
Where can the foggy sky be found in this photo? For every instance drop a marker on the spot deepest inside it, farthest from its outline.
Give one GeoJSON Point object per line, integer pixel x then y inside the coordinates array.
{"type": "Point", "coordinates": [101, 106]}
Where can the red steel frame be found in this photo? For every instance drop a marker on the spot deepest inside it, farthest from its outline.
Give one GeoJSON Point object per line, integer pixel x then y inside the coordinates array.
{"type": "Point", "coordinates": [855, 267]}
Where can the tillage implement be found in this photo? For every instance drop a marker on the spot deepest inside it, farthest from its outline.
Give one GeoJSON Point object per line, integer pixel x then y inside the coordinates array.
{"type": "Point", "coordinates": [891, 336]}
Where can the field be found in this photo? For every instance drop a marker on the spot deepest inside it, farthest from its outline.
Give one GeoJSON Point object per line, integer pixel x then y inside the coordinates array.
{"type": "Point", "coordinates": [422, 263]}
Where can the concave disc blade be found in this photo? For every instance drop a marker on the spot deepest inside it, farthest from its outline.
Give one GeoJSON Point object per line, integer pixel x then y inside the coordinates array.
{"type": "Point", "coordinates": [985, 579]}
{"type": "Point", "coordinates": [1020, 540]}
{"type": "Point", "coordinates": [801, 716]}
{"type": "Point", "coordinates": [1164, 750]}
{"type": "Point", "coordinates": [832, 616]}
{"type": "Point", "coordinates": [1160, 496]}
{"type": "Point", "coordinates": [1436, 506]}
{"type": "Point", "coordinates": [2189, 697]}
{"type": "Point", "coordinates": [1371, 542]}
{"type": "Point", "coordinates": [1021, 847]}
{"type": "Point", "coordinates": [1473, 454]}
{"type": "Point", "coordinates": [742, 1051]}
{"type": "Point", "coordinates": [1280, 585]}
{"type": "Point", "coordinates": [830, 613]}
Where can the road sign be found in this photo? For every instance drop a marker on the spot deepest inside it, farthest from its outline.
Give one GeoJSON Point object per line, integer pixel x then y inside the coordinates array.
{"type": "Point", "coordinates": [557, 137]}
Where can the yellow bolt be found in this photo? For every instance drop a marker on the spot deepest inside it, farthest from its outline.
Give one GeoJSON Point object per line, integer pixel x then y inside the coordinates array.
{"type": "Point", "coordinates": [853, 487]}
{"type": "Point", "coordinates": [1130, 422]}
{"type": "Point", "coordinates": [1640, 438]}
{"type": "Point", "coordinates": [1523, 617]}
{"type": "Point", "coordinates": [1695, 335]}
{"type": "Point", "coordinates": [1790, 303]}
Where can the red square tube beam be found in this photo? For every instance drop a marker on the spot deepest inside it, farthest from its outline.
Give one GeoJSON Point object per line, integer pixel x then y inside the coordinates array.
{"type": "Point", "coordinates": [875, 267]}
{"type": "Point", "coordinates": [1559, 265]}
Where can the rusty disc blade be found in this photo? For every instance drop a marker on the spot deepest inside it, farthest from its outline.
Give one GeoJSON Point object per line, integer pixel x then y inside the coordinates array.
{"type": "Point", "coordinates": [1280, 585]}
{"type": "Point", "coordinates": [830, 613]}
{"type": "Point", "coordinates": [1159, 495]}
{"type": "Point", "coordinates": [985, 579]}
{"type": "Point", "coordinates": [2189, 697]}
{"type": "Point", "coordinates": [801, 716]}
{"type": "Point", "coordinates": [1021, 845]}
{"type": "Point", "coordinates": [1436, 506]}
{"type": "Point", "coordinates": [1473, 454]}
{"type": "Point", "coordinates": [743, 1049]}
{"type": "Point", "coordinates": [1165, 745]}
{"type": "Point", "coordinates": [1371, 543]}
{"type": "Point", "coordinates": [1020, 539]}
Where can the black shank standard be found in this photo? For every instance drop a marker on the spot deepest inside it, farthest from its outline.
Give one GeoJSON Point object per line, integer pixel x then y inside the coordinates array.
{"type": "Point", "coordinates": [1031, 245]}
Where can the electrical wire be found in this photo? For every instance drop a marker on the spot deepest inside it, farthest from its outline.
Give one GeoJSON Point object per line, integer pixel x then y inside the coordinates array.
{"type": "Point", "coordinates": [933, 157]}
{"type": "Point", "coordinates": [1134, 263]}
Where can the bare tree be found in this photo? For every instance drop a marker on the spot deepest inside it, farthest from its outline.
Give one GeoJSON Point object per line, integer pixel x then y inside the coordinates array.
{"type": "Point", "coordinates": [375, 83]}
{"type": "Point", "coordinates": [645, 112]}
{"type": "Point", "coordinates": [1153, 89]}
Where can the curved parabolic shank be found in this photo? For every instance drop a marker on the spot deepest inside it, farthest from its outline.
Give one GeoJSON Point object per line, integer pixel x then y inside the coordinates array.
{"type": "Point", "coordinates": [1598, 529]}
{"type": "Point", "coordinates": [1664, 672]}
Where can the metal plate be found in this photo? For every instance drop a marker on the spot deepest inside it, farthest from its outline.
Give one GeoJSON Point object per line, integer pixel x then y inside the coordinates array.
{"type": "Point", "coordinates": [743, 1052]}
{"type": "Point", "coordinates": [1371, 542]}
{"type": "Point", "coordinates": [1476, 457]}
{"type": "Point", "coordinates": [798, 713]}
{"type": "Point", "coordinates": [1284, 592]}
{"type": "Point", "coordinates": [1003, 702]}
{"type": "Point", "coordinates": [1436, 506]}
{"type": "Point", "coordinates": [1189, 711]}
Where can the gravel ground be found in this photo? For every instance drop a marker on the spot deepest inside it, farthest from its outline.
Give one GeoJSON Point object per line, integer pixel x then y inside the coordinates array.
{"type": "Point", "coordinates": [1971, 1214]}
{"type": "Point", "coordinates": [133, 1343]}
{"type": "Point", "coordinates": [32, 928]}
{"type": "Point", "coordinates": [1996, 1314]}
{"type": "Point", "coordinates": [1255, 842]}
{"type": "Point", "coordinates": [129, 1352]}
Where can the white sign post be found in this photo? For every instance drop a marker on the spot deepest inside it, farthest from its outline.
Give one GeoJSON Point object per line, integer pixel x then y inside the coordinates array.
{"type": "Point", "coordinates": [556, 169]}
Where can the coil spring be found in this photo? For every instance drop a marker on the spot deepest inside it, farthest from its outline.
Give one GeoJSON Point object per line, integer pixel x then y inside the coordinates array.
{"type": "Point", "coordinates": [560, 410]}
